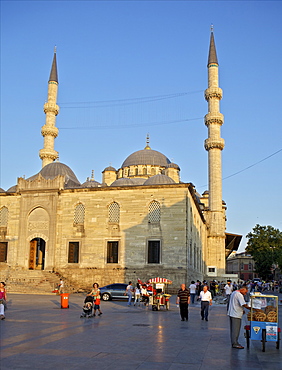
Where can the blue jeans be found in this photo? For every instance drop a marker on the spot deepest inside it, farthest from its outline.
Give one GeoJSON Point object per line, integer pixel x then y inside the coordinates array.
{"type": "Point", "coordinates": [205, 309]}
{"type": "Point", "coordinates": [193, 297]}
{"type": "Point", "coordinates": [129, 298]}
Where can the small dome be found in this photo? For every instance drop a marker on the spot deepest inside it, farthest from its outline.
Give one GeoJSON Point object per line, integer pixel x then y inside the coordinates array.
{"type": "Point", "coordinates": [12, 189]}
{"type": "Point", "coordinates": [91, 184]}
{"type": "Point", "coordinates": [173, 165]}
{"type": "Point", "coordinates": [123, 181]}
{"type": "Point", "coordinates": [54, 169]}
{"type": "Point", "coordinates": [146, 157]}
{"type": "Point", "coordinates": [110, 168]}
{"type": "Point", "coordinates": [159, 180]}
{"type": "Point", "coordinates": [2, 190]}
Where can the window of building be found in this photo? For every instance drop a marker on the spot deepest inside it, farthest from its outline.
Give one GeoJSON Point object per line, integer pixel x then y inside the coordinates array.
{"type": "Point", "coordinates": [154, 212]}
{"type": "Point", "coordinates": [3, 251]}
{"type": "Point", "coordinates": [114, 212]}
{"type": "Point", "coordinates": [79, 214]}
{"type": "Point", "coordinates": [112, 252]}
{"type": "Point", "coordinates": [4, 216]}
{"type": "Point", "coordinates": [154, 251]}
{"type": "Point", "coordinates": [153, 171]}
{"type": "Point", "coordinates": [144, 170]}
{"type": "Point", "coordinates": [250, 266]}
{"type": "Point", "coordinates": [73, 252]}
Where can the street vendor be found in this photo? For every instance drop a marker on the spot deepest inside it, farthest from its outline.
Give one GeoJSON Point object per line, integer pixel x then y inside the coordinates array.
{"type": "Point", "coordinates": [183, 299]}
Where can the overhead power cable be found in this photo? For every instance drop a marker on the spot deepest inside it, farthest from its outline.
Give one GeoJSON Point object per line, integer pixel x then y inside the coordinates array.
{"type": "Point", "coordinates": [128, 125]}
{"type": "Point", "coordinates": [246, 168]}
{"type": "Point", "coordinates": [120, 102]}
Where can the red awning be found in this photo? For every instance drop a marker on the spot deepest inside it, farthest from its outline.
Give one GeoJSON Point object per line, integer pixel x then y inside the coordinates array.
{"type": "Point", "coordinates": [160, 280]}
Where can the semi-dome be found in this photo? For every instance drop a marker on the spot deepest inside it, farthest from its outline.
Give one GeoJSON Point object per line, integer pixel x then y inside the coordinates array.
{"type": "Point", "coordinates": [2, 190]}
{"type": "Point", "coordinates": [12, 189]}
{"type": "Point", "coordinates": [123, 181]}
{"type": "Point", "coordinates": [54, 169]}
{"type": "Point", "coordinates": [146, 156]}
{"type": "Point", "coordinates": [159, 180]}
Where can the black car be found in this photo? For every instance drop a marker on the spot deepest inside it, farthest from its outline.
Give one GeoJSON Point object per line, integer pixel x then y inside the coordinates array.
{"type": "Point", "coordinates": [112, 291]}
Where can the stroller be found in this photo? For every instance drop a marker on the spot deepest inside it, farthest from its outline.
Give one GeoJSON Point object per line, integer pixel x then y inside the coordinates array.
{"type": "Point", "coordinates": [87, 307]}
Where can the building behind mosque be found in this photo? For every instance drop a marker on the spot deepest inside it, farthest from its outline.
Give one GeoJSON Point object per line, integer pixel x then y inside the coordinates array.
{"type": "Point", "coordinates": [141, 221]}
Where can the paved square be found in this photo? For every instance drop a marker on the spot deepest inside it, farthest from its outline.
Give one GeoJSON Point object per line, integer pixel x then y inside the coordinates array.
{"type": "Point", "coordinates": [38, 334]}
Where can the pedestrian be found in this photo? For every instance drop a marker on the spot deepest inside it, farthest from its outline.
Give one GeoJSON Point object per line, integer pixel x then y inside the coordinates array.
{"type": "Point", "coordinates": [128, 292]}
{"type": "Point", "coordinates": [192, 288]}
{"type": "Point", "coordinates": [235, 313]}
{"type": "Point", "coordinates": [61, 286]}
{"type": "Point", "coordinates": [145, 295]}
{"type": "Point", "coordinates": [183, 299]}
{"type": "Point", "coordinates": [228, 290]}
{"type": "Point", "coordinates": [206, 301]}
{"type": "Point", "coordinates": [95, 293]}
{"type": "Point", "coordinates": [3, 300]}
{"type": "Point", "coordinates": [137, 292]}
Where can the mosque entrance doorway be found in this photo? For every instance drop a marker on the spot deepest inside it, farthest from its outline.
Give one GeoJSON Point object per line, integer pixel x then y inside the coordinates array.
{"type": "Point", "coordinates": [37, 254]}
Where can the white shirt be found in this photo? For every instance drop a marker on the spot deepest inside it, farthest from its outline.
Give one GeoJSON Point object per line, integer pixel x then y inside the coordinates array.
{"type": "Point", "coordinates": [236, 304]}
{"type": "Point", "coordinates": [228, 289]}
{"type": "Point", "coordinates": [205, 296]}
{"type": "Point", "coordinates": [192, 288]}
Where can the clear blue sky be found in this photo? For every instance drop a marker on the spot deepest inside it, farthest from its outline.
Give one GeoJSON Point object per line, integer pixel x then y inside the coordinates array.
{"type": "Point", "coordinates": [128, 68]}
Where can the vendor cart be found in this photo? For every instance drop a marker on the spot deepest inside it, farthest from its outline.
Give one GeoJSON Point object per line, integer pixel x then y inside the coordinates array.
{"type": "Point", "coordinates": [159, 298]}
{"type": "Point", "coordinates": [263, 318]}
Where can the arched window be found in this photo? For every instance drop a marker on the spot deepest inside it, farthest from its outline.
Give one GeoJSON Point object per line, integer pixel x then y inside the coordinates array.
{"type": "Point", "coordinates": [4, 216]}
{"type": "Point", "coordinates": [136, 171]}
{"type": "Point", "coordinates": [154, 212]}
{"type": "Point", "coordinates": [79, 214]}
{"type": "Point", "coordinates": [114, 212]}
{"type": "Point", "coordinates": [153, 171]}
{"type": "Point", "coordinates": [144, 170]}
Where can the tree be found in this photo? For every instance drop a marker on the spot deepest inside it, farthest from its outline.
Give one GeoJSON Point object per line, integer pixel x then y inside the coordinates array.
{"type": "Point", "coordinates": [265, 245]}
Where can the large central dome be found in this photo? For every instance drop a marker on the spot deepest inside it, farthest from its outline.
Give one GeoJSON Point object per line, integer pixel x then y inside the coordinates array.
{"type": "Point", "coordinates": [146, 156]}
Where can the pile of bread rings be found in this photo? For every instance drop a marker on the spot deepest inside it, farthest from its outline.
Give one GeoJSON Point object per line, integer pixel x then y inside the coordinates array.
{"type": "Point", "coordinates": [269, 314]}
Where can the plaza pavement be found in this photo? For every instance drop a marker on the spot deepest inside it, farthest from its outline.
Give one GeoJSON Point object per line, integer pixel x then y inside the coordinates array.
{"type": "Point", "coordinates": [38, 334]}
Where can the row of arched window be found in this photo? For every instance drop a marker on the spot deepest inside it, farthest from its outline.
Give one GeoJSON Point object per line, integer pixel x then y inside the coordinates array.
{"type": "Point", "coordinates": [154, 213]}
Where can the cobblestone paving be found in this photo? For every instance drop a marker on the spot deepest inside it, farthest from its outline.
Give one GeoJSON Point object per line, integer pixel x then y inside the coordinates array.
{"type": "Point", "coordinates": [38, 334]}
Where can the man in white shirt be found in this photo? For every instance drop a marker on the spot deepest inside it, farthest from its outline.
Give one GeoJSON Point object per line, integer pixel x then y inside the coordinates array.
{"type": "Point", "coordinates": [228, 290]}
{"type": "Point", "coordinates": [206, 301]}
{"type": "Point", "coordinates": [235, 313]}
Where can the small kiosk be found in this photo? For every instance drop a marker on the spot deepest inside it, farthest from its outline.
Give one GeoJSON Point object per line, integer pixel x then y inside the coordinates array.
{"type": "Point", "coordinates": [159, 298]}
{"type": "Point", "coordinates": [263, 318]}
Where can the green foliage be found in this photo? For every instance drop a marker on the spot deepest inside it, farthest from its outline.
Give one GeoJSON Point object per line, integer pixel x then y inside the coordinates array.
{"type": "Point", "coordinates": [265, 245]}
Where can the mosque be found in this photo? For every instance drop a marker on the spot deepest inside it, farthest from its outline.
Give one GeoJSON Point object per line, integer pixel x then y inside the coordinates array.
{"type": "Point", "coordinates": [141, 221]}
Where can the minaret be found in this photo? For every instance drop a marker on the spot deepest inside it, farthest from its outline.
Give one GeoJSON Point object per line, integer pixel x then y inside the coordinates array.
{"type": "Point", "coordinates": [49, 131]}
{"type": "Point", "coordinates": [214, 145]}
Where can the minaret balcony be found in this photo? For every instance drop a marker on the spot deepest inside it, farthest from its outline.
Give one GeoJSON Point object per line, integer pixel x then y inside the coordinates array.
{"type": "Point", "coordinates": [49, 131]}
{"type": "Point", "coordinates": [51, 108]}
{"type": "Point", "coordinates": [214, 118]}
{"type": "Point", "coordinates": [48, 153]}
{"type": "Point", "coordinates": [213, 92]}
{"type": "Point", "coordinates": [214, 143]}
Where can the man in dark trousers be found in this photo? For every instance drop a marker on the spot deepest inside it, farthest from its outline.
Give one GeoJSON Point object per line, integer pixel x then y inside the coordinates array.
{"type": "Point", "coordinates": [183, 299]}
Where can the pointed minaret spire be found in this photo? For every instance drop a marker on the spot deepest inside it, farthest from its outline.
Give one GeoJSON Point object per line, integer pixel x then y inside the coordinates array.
{"type": "Point", "coordinates": [212, 52]}
{"type": "Point", "coordinates": [54, 71]}
{"type": "Point", "coordinates": [49, 131]}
